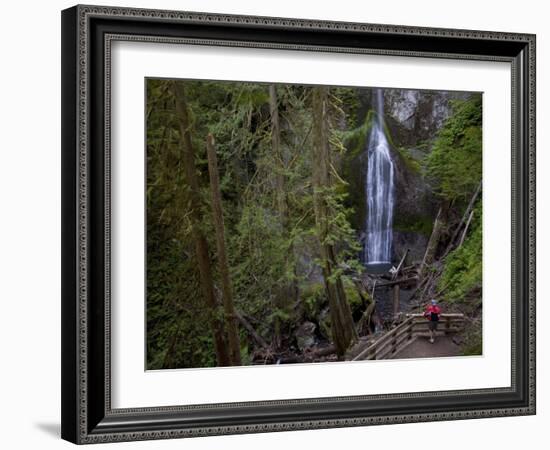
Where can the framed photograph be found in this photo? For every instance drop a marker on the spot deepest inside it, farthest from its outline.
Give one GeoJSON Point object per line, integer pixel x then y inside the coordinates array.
{"type": "Point", "coordinates": [278, 224]}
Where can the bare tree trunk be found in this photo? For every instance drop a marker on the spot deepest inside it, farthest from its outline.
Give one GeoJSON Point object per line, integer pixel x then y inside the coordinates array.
{"type": "Point", "coordinates": [342, 327]}
{"type": "Point", "coordinates": [396, 300]}
{"type": "Point", "coordinates": [201, 244]}
{"type": "Point", "coordinates": [433, 242]}
{"type": "Point", "coordinates": [466, 229]}
{"type": "Point", "coordinates": [463, 220]}
{"type": "Point", "coordinates": [217, 213]}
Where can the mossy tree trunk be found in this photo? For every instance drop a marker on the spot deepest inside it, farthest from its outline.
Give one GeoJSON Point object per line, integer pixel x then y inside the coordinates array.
{"type": "Point", "coordinates": [342, 327]}
{"type": "Point", "coordinates": [231, 320]}
{"type": "Point", "coordinates": [201, 244]}
{"type": "Point", "coordinates": [288, 291]}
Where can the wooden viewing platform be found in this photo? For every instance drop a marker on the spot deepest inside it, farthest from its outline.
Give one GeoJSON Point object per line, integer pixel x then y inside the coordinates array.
{"type": "Point", "coordinates": [414, 326]}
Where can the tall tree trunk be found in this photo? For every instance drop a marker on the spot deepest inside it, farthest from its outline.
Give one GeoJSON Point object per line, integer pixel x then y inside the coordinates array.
{"type": "Point", "coordinates": [201, 244]}
{"type": "Point", "coordinates": [277, 151]}
{"type": "Point", "coordinates": [342, 328]}
{"type": "Point", "coordinates": [217, 213]}
{"type": "Point", "coordinates": [431, 249]}
{"type": "Point", "coordinates": [288, 291]}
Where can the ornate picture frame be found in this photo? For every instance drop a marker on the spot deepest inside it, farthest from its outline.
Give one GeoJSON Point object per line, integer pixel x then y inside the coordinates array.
{"type": "Point", "coordinates": [87, 35]}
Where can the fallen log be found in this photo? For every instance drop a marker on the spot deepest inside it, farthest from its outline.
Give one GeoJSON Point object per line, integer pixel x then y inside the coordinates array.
{"type": "Point", "coordinates": [251, 331]}
{"type": "Point", "coordinates": [308, 356]}
{"type": "Point", "coordinates": [396, 273]}
{"type": "Point", "coordinates": [465, 229]}
{"type": "Point", "coordinates": [394, 282]}
{"type": "Point", "coordinates": [463, 220]}
{"type": "Point", "coordinates": [325, 351]}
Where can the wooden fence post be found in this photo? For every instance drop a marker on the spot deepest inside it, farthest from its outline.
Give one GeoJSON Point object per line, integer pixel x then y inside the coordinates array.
{"type": "Point", "coordinates": [396, 306]}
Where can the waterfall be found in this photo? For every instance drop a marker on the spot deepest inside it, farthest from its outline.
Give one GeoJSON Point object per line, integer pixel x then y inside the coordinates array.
{"type": "Point", "coordinates": [379, 191]}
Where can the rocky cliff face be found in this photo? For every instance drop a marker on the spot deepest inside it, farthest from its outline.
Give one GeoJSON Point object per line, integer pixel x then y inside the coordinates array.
{"type": "Point", "coordinates": [412, 120]}
{"type": "Point", "coordinates": [417, 115]}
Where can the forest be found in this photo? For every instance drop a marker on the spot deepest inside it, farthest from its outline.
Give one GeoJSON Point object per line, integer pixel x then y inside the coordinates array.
{"type": "Point", "coordinates": [281, 218]}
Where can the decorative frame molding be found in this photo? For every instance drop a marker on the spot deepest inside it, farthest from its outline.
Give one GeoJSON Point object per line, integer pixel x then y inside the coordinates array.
{"type": "Point", "coordinates": [87, 34]}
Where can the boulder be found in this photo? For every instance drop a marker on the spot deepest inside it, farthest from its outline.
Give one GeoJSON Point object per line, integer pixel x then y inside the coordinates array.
{"type": "Point", "coordinates": [305, 335]}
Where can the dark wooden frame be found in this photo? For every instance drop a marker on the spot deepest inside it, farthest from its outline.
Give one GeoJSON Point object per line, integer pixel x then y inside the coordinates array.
{"type": "Point", "coordinates": [87, 31]}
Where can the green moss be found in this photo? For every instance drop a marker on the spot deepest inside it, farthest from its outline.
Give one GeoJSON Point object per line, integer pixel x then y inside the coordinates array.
{"type": "Point", "coordinates": [413, 224]}
{"type": "Point", "coordinates": [353, 297]}
{"type": "Point", "coordinates": [355, 140]}
{"type": "Point", "coordinates": [313, 298]}
{"type": "Point", "coordinates": [406, 158]}
{"type": "Point", "coordinates": [412, 164]}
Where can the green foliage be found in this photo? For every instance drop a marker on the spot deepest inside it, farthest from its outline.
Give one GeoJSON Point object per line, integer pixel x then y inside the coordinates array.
{"type": "Point", "coordinates": [175, 314]}
{"type": "Point", "coordinates": [455, 161]}
{"type": "Point", "coordinates": [355, 139]}
{"type": "Point", "coordinates": [274, 255]}
{"type": "Point", "coordinates": [463, 267]}
{"type": "Point", "coordinates": [352, 295]}
{"type": "Point", "coordinates": [475, 348]}
{"type": "Point", "coordinates": [412, 164]}
{"type": "Point", "coordinates": [473, 344]}
{"type": "Point", "coordinates": [349, 100]}
{"type": "Point", "coordinates": [258, 251]}
{"type": "Point", "coordinates": [313, 297]}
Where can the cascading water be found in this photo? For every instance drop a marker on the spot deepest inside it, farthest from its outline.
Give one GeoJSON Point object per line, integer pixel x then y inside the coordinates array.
{"type": "Point", "coordinates": [379, 192]}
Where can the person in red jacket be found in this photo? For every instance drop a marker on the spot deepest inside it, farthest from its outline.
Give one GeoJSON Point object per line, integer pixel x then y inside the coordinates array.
{"type": "Point", "coordinates": [432, 313]}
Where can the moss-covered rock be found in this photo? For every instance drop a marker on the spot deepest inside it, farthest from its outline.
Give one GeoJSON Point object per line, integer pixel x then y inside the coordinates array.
{"type": "Point", "coordinates": [305, 335]}
{"type": "Point", "coordinates": [314, 299]}
{"type": "Point", "coordinates": [352, 295]}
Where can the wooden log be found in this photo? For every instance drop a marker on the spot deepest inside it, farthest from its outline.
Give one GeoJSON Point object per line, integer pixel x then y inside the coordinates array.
{"type": "Point", "coordinates": [393, 283]}
{"type": "Point", "coordinates": [394, 276]}
{"type": "Point", "coordinates": [463, 219]}
{"type": "Point", "coordinates": [251, 331]}
{"type": "Point", "coordinates": [465, 229]}
{"type": "Point", "coordinates": [326, 351]}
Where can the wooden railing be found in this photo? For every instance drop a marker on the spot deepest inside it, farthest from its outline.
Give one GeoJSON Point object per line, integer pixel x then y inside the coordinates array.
{"type": "Point", "coordinates": [408, 330]}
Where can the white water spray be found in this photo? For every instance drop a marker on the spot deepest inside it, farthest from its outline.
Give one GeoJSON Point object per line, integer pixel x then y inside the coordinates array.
{"type": "Point", "coordinates": [379, 191]}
